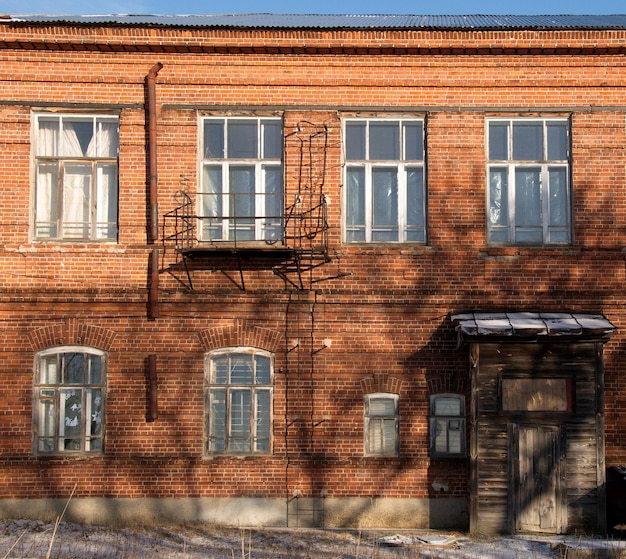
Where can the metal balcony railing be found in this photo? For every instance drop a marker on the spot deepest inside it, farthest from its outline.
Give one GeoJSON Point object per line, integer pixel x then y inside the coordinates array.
{"type": "Point", "coordinates": [238, 220]}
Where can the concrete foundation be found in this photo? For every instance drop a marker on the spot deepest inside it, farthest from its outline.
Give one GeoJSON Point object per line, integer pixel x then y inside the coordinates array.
{"type": "Point", "coordinates": [258, 512]}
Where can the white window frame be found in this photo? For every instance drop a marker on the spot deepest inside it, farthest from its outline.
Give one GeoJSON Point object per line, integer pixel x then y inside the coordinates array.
{"type": "Point", "coordinates": [220, 405]}
{"type": "Point", "coordinates": [368, 232]}
{"type": "Point", "coordinates": [447, 429]}
{"type": "Point", "coordinates": [69, 417]}
{"type": "Point", "coordinates": [66, 208]}
{"type": "Point", "coordinates": [218, 224]}
{"type": "Point", "coordinates": [381, 426]}
{"type": "Point", "coordinates": [502, 223]}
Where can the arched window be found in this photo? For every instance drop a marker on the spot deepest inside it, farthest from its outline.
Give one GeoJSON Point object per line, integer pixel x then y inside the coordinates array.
{"type": "Point", "coordinates": [382, 425]}
{"type": "Point", "coordinates": [69, 393]}
{"type": "Point", "coordinates": [447, 425]}
{"type": "Point", "coordinates": [238, 396]}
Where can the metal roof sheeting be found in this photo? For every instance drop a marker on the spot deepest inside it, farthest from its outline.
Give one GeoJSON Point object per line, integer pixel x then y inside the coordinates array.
{"type": "Point", "coordinates": [329, 21]}
{"type": "Point", "coordinates": [532, 325]}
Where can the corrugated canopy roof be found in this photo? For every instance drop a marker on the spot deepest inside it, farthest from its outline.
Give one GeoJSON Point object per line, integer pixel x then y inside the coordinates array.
{"type": "Point", "coordinates": [329, 21]}
{"type": "Point", "coordinates": [531, 325]}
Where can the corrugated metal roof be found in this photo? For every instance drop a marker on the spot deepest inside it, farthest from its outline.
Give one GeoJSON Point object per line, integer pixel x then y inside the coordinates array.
{"type": "Point", "coordinates": [533, 325]}
{"type": "Point", "coordinates": [329, 21]}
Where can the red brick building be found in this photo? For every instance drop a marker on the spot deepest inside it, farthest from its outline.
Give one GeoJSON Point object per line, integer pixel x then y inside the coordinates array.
{"type": "Point", "coordinates": [313, 270]}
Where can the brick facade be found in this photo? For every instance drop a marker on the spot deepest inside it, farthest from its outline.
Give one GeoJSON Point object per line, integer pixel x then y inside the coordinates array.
{"type": "Point", "coordinates": [381, 309]}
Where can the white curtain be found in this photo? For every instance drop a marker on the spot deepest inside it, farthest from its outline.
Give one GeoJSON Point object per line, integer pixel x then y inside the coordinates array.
{"type": "Point", "coordinates": [75, 139]}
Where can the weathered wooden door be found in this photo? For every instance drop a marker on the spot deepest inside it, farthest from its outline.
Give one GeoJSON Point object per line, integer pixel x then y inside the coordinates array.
{"type": "Point", "coordinates": [536, 479]}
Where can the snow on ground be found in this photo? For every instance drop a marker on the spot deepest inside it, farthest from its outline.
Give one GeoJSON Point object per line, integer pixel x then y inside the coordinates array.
{"type": "Point", "coordinates": [34, 539]}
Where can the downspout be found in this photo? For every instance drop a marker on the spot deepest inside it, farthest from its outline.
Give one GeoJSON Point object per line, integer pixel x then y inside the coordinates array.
{"type": "Point", "coordinates": [153, 218]}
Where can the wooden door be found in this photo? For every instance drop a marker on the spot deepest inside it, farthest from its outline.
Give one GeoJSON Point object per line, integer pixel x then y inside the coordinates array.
{"type": "Point", "coordinates": [536, 479]}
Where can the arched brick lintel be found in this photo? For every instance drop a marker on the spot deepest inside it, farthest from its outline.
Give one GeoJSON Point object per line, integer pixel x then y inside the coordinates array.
{"type": "Point", "coordinates": [71, 332]}
{"type": "Point", "coordinates": [241, 333]}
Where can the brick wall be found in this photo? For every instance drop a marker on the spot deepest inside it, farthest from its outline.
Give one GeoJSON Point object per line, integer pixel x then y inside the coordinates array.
{"type": "Point", "coordinates": [385, 310]}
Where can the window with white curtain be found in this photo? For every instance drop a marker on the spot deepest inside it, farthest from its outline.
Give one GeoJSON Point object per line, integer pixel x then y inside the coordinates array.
{"type": "Point", "coordinates": [238, 394]}
{"type": "Point", "coordinates": [70, 388]}
{"type": "Point", "coordinates": [528, 172]}
{"type": "Point", "coordinates": [384, 186]}
{"type": "Point", "coordinates": [382, 437]}
{"type": "Point", "coordinates": [241, 196]}
{"type": "Point", "coordinates": [76, 191]}
{"type": "Point", "coordinates": [447, 425]}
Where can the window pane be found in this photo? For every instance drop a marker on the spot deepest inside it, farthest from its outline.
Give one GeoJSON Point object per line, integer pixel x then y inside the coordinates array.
{"type": "Point", "coordinates": [557, 141]}
{"type": "Point", "coordinates": [47, 200]}
{"type": "Point", "coordinates": [76, 200]}
{"type": "Point", "coordinates": [242, 183]}
{"type": "Point", "coordinates": [94, 414]}
{"type": "Point", "coordinates": [273, 203]}
{"type": "Point", "coordinates": [355, 204]}
{"type": "Point", "coordinates": [262, 421]}
{"type": "Point", "coordinates": [389, 436]}
{"type": "Point", "coordinates": [528, 141]}
{"type": "Point", "coordinates": [440, 435]}
{"type": "Point", "coordinates": [384, 204]}
{"type": "Point", "coordinates": [77, 138]}
{"type": "Point", "coordinates": [447, 406]}
{"type": "Point", "coordinates": [241, 368]}
{"type": "Point", "coordinates": [242, 139]}
{"type": "Point", "coordinates": [498, 196]}
{"type": "Point", "coordinates": [73, 368]}
{"type": "Point", "coordinates": [384, 141]}
{"type": "Point", "coordinates": [239, 439]}
{"type": "Point", "coordinates": [559, 213]}
{"type": "Point", "coordinates": [106, 201]}
{"type": "Point", "coordinates": [47, 416]}
{"type": "Point", "coordinates": [498, 141]}
{"type": "Point", "coordinates": [272, 139]}
{"type": "Point", "coordinates": [454, 436]}
{"type": "Point", "coordinates": [262, 369]}
{"type": "Point", "coordinates": [213, 139]}
{"type": "Point", "coordinates": [355, 141]}
{"type": "Point", "coordinates": [415, 205]}
{"type": "Point", "coordinates": [48, 136]}
{"type": "Point", "coordinates": [49, 370]}
{"type": "Point", "coordinates": [211, 203]}
{"type": "Point", "coordinates": [382, 406]}
{"type": "Point", "coordinates": [220, 369]}
{"type": "Point", "coordinates": [413, 141]}
{"type": "Point", "coordinates": [95, 369]}
{"type": "Point", "coordinates": [108, 138]}
{"type": "Point", "coordinates": [242, 201]}
{"type": "Point", "coordinates": [217, 431]}
{"type": "Point", "coordinates": [71, 412]}
{"type": "Point", "coordinates": [528, 197]}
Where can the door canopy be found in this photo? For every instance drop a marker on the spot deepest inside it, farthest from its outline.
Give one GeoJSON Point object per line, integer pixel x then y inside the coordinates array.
{"type": "Point", "coordinates": [531, 326]}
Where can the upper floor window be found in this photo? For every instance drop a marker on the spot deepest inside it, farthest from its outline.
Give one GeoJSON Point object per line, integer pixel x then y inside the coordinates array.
{"type": "Point", "coordinates": [76, 190]}
{"type": "Point", "coordinates": [239, 388]}
{"type": "Point", "coordinates": [70, 386]}
{"type": "Point", "coordinates": [529, 181]}
{"type": "Point", "coordinates": [447, 425]}
{"type": "Point", "coordinates": [385, 192]}
{"type": "Point", "coordinates": [382, 425]}
{"type": "Point", "coordinates": [241, 196]}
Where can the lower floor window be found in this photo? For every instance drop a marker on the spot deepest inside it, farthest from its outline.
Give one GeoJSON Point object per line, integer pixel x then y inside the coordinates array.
{"type": "Point", "coordinates": [381, 425]}
{"type": "Point", "coordinates": [69, 401]}
{"type": "Point", "coordinates": [447, 425]}
{"type": "Point", "coordinates": [239, 401]}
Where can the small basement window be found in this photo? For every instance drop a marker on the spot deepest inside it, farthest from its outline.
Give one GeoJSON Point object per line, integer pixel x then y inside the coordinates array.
{"type": "Point", "coordinates": [447, 425]}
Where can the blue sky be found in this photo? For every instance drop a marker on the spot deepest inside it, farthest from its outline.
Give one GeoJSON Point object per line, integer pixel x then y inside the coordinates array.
{"type": "Point", "coordinates": [445, 7]}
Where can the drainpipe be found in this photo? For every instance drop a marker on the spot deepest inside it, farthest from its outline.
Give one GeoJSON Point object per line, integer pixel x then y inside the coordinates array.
{"type": "Point", "coordinates": [153, 225]}
{"type": "Point", "coordinates": [153, 221]}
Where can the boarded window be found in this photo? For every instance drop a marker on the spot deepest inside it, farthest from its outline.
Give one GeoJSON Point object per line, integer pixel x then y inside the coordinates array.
{"type": "Point", "coordinates": [537, 394]}
{"type": "Point", "coordinates": [381, 425]}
